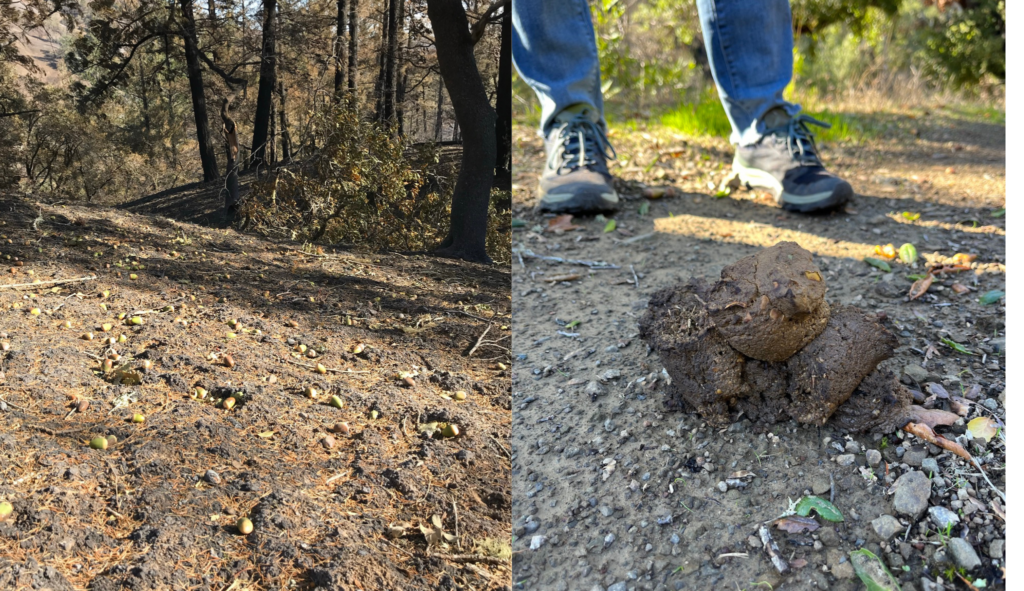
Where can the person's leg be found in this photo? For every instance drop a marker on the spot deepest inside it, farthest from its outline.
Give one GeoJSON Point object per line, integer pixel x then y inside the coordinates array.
{"type": "Point", "coordinates": [555, 52]}
{"type": "Point", "coordinates": [751, 56]}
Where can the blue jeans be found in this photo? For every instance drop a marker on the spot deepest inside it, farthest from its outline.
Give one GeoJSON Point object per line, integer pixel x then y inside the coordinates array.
{"type": "Point", "coordinates": [750, 51]}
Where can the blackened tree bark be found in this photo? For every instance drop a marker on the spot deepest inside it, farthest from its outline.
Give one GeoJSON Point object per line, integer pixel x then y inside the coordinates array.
{"type": "Point", "coordinates": [231, 184]}
{"type": "Point", "coordinates": [467, 238]}
{"type": "Point", "coordinates": [268, 84]}
{"type": "Point", "coordinates": [503, 106]}
{"type": "Point", "coordinates": [195, 84]}
{"type": "Point", "coordinates": [353, 54]}
{"type": "Point", "coordinates": [286, 138]}
{"type": "Point", "coordinates": [387, 74]}
{"type": "Point", "coordinates": [340, 52]}
{"type": "Point", "coordinates": [401, 74]}
{"type": "Point", "coordinates": [439, 120]}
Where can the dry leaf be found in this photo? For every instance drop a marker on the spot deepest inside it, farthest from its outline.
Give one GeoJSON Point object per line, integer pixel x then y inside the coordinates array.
{"type": "Point", "coordinates": [925, 432]}
{"type": "Point", "coordinates": [742, 474]}
{"type": "Point", "coordinates": [795, 524]}
{"type": "Point", "coordinates": [959, 405]}
{"type": "Point", "coordinates": [983, 428]}
{"type": "Point", "coordinates": [798, 563]}
{"type": "Point", "coordinates": [998, 509]}
{"type": "Point", "coordinates": [920, 286]}
{"type": "Point", "coordinates": [569, 277]}
{"type": "Point", "coordinates": [562, 223]}
{"type": "Point", "coordinates": [960, 288]}
{"type": "Point", "coordinates": [932, 417]}
{"type": "Point", "coordinates": [266, 434]}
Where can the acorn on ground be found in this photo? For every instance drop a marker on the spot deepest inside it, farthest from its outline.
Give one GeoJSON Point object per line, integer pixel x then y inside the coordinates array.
{"type": "Point", "coordinates": [6, 509]}
{"type": "Point", "coordinates": [336, 402]}
{"type": "Point", "coordinates": [244, 526]}
{"type": "Point", "coordinates": [98, 443]}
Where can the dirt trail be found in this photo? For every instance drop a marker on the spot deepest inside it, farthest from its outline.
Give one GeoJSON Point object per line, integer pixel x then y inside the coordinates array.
{"type": "Point", "coordinates": [331, 510]}
{"type": "Point", "coordinates": [619, 492]}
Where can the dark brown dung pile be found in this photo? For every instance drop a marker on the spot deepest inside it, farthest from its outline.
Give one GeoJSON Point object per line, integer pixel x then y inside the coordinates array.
{"type": "Point", "coordinates": [762, 341]}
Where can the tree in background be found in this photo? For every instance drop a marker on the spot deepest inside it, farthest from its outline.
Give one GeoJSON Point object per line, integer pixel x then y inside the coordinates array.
{"type": "Point", "coordinates": [468, 233]}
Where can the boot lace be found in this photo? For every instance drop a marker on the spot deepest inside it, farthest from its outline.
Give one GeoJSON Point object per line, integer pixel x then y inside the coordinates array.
{"type": "Point", "coordinates": [584, 144]}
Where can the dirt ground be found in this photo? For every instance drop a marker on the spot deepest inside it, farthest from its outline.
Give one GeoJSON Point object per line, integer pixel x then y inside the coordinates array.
{"type": "Point", "coordinates": [248, 319]}
{"type": "Point", "coordinates": [612, 491]}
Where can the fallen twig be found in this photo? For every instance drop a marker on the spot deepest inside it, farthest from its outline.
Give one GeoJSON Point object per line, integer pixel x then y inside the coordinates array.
{"type": "Point", "coordinates": [479, 341]}
{"type": "Point", "coordinates": [496, 442]}
{"type": "Point", "coordinates": [773, 550]}
{"type": "Point", "coordinates": [592, 264]}
{"type": "Point", "coordinates": [50, 282]}
{"type": "Point", "coordinates": [468, 558]}
{"type": "Point", "coordinates": [636, 280]}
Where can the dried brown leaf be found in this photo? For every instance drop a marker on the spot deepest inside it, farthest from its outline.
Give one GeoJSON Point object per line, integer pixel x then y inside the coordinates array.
{"type": "Point", "coordinates": [925, 432]}
{"type": "Point", "coordinates": [920, 286]}
{"type": "Point", "coordinates": [932, 417]}
{"type": "Point", "coordinates": [960, 288]}
{"type": "Point", "coordinates": [562, 223]}
{"type": "Point", "coordinates": [795, 524]}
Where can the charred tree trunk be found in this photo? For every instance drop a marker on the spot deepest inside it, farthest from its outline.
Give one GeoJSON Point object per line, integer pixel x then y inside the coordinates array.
{"type": "Point", "coordinates": [231, 142]}
{"type": "Point", "coordinates": [503, 106]}
{"type": "Point", "coordinates": [340, 52]}
{"type": "Point", "coordinates": [439, 121]}
{"type": "Point", "coordinates": [401, 73]}
{"type": "Point", "coordinates": [286, 138]}
{"type": "Point", "coordinates": [353, 54]}
{"type": "Point", "coordinates": [268, 84]}
{"type": "Point", "coordinates": [467, 238]}
{"type": "Point", "coordinates": [195, 83]}
{"type": "Point", "coordinates": [386, 77]}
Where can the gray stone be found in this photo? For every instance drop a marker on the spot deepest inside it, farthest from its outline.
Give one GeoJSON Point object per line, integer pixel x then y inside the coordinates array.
{"type": "Point", "coordinates": [930, 466]}
{"type": "Point", "coordinates": [916, 373]}
{"type": "Point", "coordinates": [886, 526]}
{"type": "Point", "coordinates": [942, 517]}
{"type": "Point", "coordinates": [594, 389]}
{"type": "Point", "coordinates": [843, 570]}
{"type": "Point", "coordinates": [828, 536]}
{"type": "Point", "coordinates": [963, 554]}
{"type": "Point", "coordinates": [212, 477]}
{"type": "Point", "coordinates": [915, 456]}
{"type": "Point", "coordinates": [874, 457]}
{"type": "Point", "coordinates": [996, 548]}
{"type": "Point", "coordinates": [821, 484]}
{"type": "Point", "coordinates": [620, 586]}
{"type": "Point", "coordinates": [913, 490]}
{"type": "Point", "coordinates": [606, 510]}
{"type": "Point", "coordinates": [846, 459]}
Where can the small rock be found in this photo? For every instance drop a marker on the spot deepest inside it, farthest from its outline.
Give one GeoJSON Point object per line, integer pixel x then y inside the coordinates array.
{"type": "Point", "coordinates": [212, 477]}
{"type": "Point", "coordinates": [929, 466]}
{"type": "Point", "coordinates": [852, 447]}
{"type": "Point", "coordinates": [846, 459]}
{"type": "Point", "coordinates": [620, 586]}
{"type": "Point", "coordinates": [821, 485]}
{"type": "Point", "coordinates": [915, 456]}
{"type": "Point", "coordinates": [913, 490]}
{"type": "Point", "coordinates": [942, 517]}
{"type": "Point", "coordinates": [609, 540]}
{"type": "Point", "coordinates": [611, 374]}
{"type": "Point", "coordinates": [874, 457]}
{"type": "Point", "coordinates": [754, 542]}
{"type": "Point", "coordinates": [722, 486]}
{"type": "Point", "coordinates": [886, 526]}
{"type": "Point", "coordinates": [916, 373]}
{"type": "Point", "coordinates": [594, 390]}
{"type": "Point", "coordinates": [996, 549]}
{"type": "Point", "coordinates": [991, 404]}
{"type": "Point", "coordinates": [328, 442]}
{"type": "Point", "coordinates": [843, 570]}
{"type": "Point", "coordinates": [606, 510]}
{"type": "Point", "coordinates": [537, 541]}
{"type": "Point", "coordinates": [963, 554]}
